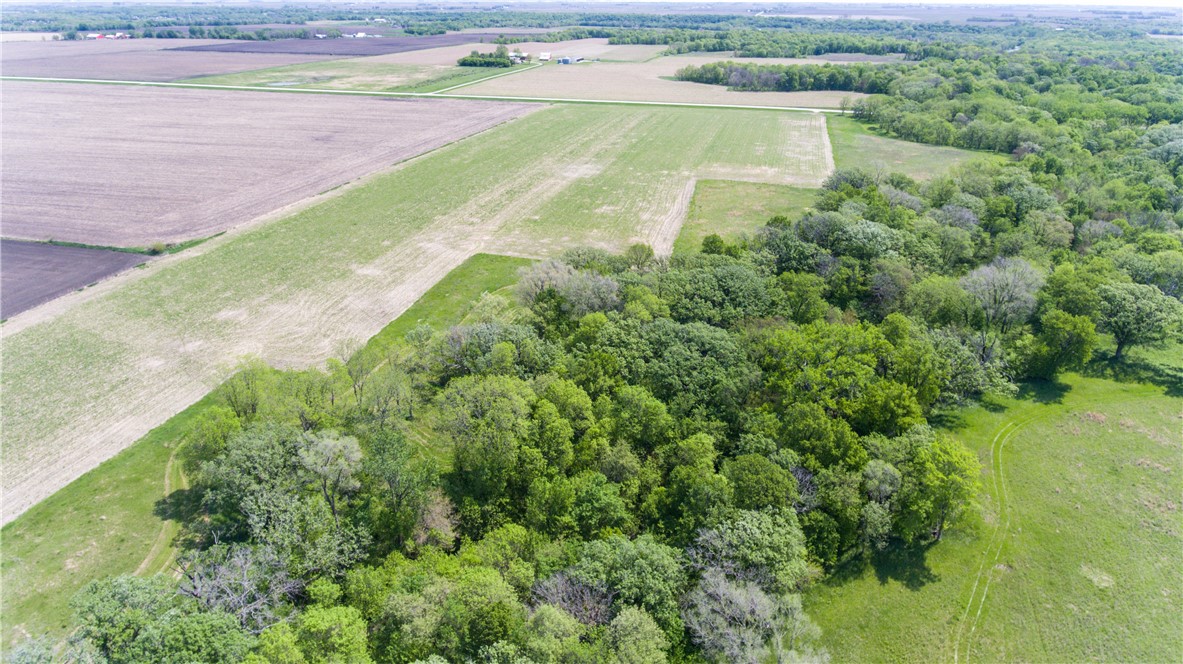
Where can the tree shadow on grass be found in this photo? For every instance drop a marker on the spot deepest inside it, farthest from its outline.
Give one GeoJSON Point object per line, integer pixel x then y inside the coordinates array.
{"type": "Point", "coordinates": [1043, 391]}
{"type": "Point", "coordinates": [907, 565]}
{"type": "Point", "coordinates": [184, 507]}
{"type": "Point", "coordinates": [1136, 370]}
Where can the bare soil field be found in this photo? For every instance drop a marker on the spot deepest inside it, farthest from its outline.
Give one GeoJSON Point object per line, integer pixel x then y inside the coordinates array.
{"type": "Point", "coordinates": [32, 272]}
{"type": "Point", "coordinates": [645, 81]}
{"type": "Point", "coordinates": [348, 47]}
{"type": "Point", "coordinates": [152, 65]}
{"type": "Point", "coordinates": [34, 50]}
{"type": "Point", "coordinates": [132, 59]}
{"type": "Point", "coordinates": [7, 37]}
{"type": "Point", "coordinates": [128, 166]}
{"type": "Point", "coordinates": [583, 48]}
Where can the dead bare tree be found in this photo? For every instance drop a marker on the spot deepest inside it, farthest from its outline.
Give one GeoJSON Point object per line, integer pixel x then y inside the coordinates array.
{"type": "Point", "coordinates": [589, 603]}
{"type": "Point", "coordinates": [249, 583]}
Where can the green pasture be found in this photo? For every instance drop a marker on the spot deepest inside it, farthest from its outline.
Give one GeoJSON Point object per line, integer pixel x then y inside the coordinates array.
{"type": "Point", "coordinates": [730, 209]}
{"type": "Point", "coordinates": [1075, 555]}
{"type": "Point", "coordinates": [856, 146]}
{"type": "Point", "coordinates": [368, 74]}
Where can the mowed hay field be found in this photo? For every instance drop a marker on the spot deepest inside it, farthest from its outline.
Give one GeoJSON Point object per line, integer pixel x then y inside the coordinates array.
{"type": "Point", "coordinates": [128, 166]}
{"type": "Point", "coordinates": [375, 74]}
{"type": "Point", "coordinates": [83, 384]}
{"type": "Point", "coordinates": [132, 59]}
{"type": "Point", "coordinates": [643, 81]}
{"type": "Point", "coordinates": [1077, 554]}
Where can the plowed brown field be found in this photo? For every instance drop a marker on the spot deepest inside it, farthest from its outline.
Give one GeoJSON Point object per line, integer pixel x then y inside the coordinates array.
{"type": "Point", "coordinates": [132, 60]}
{"type": "Point", "coordinates": [127, 166]}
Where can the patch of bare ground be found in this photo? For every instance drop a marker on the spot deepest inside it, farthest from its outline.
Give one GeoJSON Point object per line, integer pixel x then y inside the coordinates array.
{"type": "Point", "coordinates": [127, 166]}
{"type": "Point", "coordinates": [661, 235]}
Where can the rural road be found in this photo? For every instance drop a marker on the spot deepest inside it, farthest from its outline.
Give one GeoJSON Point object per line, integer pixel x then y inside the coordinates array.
{"type": "Point", "coordinates": [435, 95]}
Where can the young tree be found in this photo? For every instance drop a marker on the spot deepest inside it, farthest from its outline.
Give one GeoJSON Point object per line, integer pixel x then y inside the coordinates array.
{"type": "Point", "coordinates": [939, 480]}
{"type": "Point", "coordinates": [326, 634]}
{"type": "Point", "coordinates": [334, 460]}
{"type": "Point", "coordinates": [404, 482]}
{"type": "Point", "coordinates": [1064, 342]}
{"type": "Point", "coordinates": [803, 296]}
{"type": "Point", "coordinates": [757, 483]}
{"type": "Point", "coordinates": [640, 572]}
{"type": "Point", "coordinates": [1137, 314]}
{"type": "Point", "coordinates": [765, 547]}
{"type": "Point", "coordinates": [634, 638]}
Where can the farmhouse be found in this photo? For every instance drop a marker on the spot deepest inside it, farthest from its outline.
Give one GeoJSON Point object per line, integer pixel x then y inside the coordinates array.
{"type": "Point", "coordinates": [544, 57]}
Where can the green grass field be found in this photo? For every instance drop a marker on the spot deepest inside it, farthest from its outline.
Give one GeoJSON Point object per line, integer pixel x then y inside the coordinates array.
{"type": "Point", "coordinates": [856, 146]}
{"type": "Point", "coordinates": [370, 74]}
{"type": "Point", "coordinates": [730, 209]}
{"type": "Point", "coordinates": [447, 303]}
{"type": "Point", "coordinates": [112, 520]}
{"type": "Point", "coordinates": [1077, 554]}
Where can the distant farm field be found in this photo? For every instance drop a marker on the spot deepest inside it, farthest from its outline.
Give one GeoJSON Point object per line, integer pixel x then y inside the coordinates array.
{"type": "Point", "coordinates": [582, 48]}
{"type": "Point", "coordinates": [855, 146]}
{"type": "Point", "coordinates": [113, 366]}
{"type": "Point", "coordinates": [1077, 555]}
{"type": "Point", "coordinates": [35, 272]}
{"type": "Point", "coordinates": [642, 81]}
{"type": "Point", "coordinates": [348, 47]}
{"type": "Point", "coordinates": [375, 73]}
{"type": "Point", "coordinates": [127, 166]}
{"type": "Point", "coordinates": [132, 59]}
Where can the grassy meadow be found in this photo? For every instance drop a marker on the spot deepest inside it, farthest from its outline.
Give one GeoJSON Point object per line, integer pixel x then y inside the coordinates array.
{"type": "Point", "coordinates": [1076, 553]}
{"type": "Point", "coordinates": [730, 209]}
{"type": "Point", "coordinates": [856, 146]}
{"type": "Point", "coordinates": [116, 520]}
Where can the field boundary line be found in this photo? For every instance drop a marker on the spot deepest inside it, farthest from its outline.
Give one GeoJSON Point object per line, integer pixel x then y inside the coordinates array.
{"type": "Point", "coordinates": [487, 78]}
{"type": "Point", "coordinates": [429, 95]}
